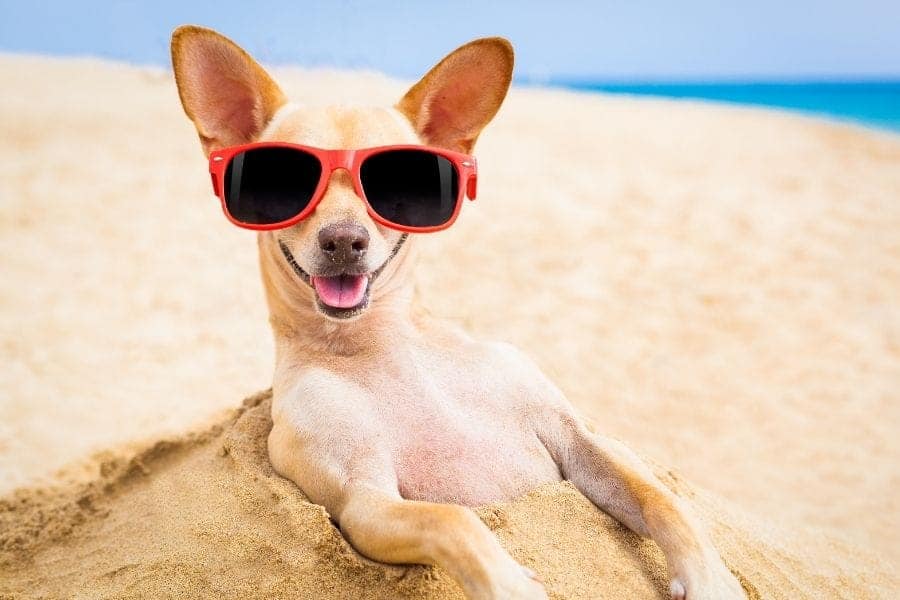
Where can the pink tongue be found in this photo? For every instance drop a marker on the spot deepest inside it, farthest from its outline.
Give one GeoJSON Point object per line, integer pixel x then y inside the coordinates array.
{"type": "Point", "coordinates": [343, 291]}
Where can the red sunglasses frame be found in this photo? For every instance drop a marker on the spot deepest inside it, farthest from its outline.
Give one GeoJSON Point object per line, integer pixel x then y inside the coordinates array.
{"type": "Point", "coordinates": [351, 161]}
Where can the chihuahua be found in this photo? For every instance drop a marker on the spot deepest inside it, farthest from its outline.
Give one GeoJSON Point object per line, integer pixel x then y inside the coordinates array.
{"type": "Point", "coordinates": [393, 422]}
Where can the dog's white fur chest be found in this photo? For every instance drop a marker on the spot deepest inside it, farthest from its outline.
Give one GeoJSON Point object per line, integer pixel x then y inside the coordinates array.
{"type": "Point", "coordinates": [467, 448]}
{"type": "Point", "coordinates": [460, 431]}
{"type": "Point", "coordinates": [451, 422]}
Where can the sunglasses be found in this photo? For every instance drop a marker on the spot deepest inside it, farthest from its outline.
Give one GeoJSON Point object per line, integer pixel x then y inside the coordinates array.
{"type": "Point", "coordinates": [273, 185]}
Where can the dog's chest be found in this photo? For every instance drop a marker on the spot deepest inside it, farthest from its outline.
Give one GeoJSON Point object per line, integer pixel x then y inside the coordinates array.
{"type": "Point", "coordinates": [464, 439]}
{"type": "Point", "coordinates": [441, 463]}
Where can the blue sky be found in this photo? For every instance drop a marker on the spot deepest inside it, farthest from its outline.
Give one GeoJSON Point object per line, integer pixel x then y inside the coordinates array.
{"type": "Point", "coordinates": [636, 40]}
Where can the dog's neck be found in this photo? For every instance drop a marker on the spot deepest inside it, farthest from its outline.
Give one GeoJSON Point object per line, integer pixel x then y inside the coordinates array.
{"type": "Point", "coordinates": [300, 327]}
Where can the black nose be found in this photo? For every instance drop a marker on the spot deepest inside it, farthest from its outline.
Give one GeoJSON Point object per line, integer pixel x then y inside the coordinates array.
{"type": "Point", "coordinates": [344, 242]}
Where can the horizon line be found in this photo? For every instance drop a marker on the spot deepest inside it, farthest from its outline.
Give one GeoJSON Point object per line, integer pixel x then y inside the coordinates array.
{"type": "Point", "coordinates": [543, 79]}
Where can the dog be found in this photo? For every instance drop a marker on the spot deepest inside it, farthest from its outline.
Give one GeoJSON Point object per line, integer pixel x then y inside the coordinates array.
{"type": "Point", "coordinates": [393, 422]}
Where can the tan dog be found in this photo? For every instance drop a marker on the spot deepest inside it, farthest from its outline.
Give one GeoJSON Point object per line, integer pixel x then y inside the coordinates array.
{"type": "Point", "coordinates": [392, 422]}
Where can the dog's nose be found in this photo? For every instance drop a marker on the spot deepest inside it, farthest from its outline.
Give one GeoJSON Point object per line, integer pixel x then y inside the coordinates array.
{"type": "Point", "coordinates": [344, 243]}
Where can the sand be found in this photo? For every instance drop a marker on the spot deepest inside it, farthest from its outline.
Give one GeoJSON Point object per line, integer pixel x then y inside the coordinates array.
{"type": "Point", "coordinates": [718, 287]}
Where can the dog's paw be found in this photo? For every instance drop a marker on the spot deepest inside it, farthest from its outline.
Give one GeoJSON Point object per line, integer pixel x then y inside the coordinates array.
{"type": "Point", "coordinates": [519, 583]}
{"type": "Point", "coordinates": [708, 582]}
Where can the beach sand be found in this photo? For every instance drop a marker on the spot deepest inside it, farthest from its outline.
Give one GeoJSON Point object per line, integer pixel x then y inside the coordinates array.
{"type": "Point", "coordinates": [717, 287]}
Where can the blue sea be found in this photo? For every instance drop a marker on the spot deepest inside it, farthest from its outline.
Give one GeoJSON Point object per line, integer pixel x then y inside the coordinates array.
{"type": "Point", "coordinates": [869, 103]}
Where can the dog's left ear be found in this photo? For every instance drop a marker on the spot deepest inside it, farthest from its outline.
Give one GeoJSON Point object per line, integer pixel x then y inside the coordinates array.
{"type": "Point", "coordinates": [459, 96]}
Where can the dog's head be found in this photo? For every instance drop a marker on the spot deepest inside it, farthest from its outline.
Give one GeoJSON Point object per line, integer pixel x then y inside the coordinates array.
{"type": "Point", "coordinates": [338, 253]}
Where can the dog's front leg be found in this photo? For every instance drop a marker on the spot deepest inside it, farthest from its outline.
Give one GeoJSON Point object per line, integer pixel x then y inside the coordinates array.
{"type": "Point", "coordinates": [618, 482]}
{"type": "Point", "coordinates": [387, 528]}
{"type": "Point", "coordinates": [356, 484]}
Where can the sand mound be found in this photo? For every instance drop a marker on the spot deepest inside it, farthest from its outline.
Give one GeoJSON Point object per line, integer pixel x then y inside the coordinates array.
{"type": "Point", "coordinates": [205, 516]}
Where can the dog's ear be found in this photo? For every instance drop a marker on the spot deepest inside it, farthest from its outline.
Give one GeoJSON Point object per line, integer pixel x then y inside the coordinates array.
{"type": "Point", "coordinates": [459, 96]}
{"type": "Point", "coordinates": [224, 92]}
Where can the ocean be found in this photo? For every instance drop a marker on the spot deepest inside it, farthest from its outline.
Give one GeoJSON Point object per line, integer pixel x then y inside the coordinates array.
{"type": "Point", "coordinates": [869, 103]}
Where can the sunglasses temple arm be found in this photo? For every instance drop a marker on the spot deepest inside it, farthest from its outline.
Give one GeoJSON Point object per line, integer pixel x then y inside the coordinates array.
{"type": "Point", "coordinates": [215, 164]}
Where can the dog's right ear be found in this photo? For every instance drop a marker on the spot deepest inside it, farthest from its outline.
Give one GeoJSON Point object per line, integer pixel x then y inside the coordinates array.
{"type": "Point", "coordinates": [227, 95]}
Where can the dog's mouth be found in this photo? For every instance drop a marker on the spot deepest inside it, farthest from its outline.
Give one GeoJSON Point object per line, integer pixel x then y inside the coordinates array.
{"type": "Point", "coordinates": [341, 295]}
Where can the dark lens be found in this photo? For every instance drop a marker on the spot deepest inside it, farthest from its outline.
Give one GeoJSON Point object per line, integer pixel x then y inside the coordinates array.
{"type": "Point", "coordinates": [415, 188]}
{"type": "Point", "coordinates": [264, 186]}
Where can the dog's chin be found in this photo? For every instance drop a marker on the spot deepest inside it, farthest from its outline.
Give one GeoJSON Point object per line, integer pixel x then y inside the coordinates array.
{"type": "Point", "coordinates": [341, 315]}
{"type": "Point", "coordinates": [342, 297]}
{"type": "Point", "coordinates": [334, 313]}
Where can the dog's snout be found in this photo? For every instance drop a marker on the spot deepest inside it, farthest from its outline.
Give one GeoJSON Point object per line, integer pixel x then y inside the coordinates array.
{"type": "Point", "coordinates": [344, 242]}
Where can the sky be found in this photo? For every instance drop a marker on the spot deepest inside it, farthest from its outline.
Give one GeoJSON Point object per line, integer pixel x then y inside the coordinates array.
{"type": "Point", "coordinates": [637, 40]}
